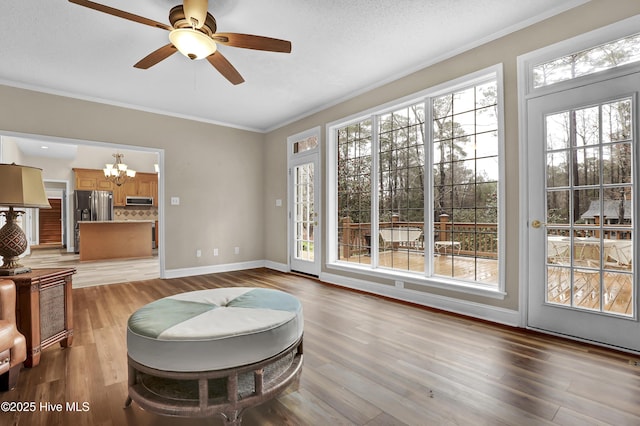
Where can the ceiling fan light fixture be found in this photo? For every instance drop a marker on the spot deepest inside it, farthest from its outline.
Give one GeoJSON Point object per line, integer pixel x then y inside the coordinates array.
{"type": "Point", "coordinates": [192, 43]}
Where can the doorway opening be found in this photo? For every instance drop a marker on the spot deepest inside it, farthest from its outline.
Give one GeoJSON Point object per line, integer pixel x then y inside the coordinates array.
{"type": "Point", "coordinates": [51, 231]}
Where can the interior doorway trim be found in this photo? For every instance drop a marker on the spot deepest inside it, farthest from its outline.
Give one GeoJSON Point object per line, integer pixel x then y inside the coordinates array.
{"type": "Point", "coordinates": [161, 184]}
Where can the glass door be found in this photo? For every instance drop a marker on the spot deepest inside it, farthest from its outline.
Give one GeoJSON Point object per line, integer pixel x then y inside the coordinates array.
{"type": "Point", "coordinates": [582, 151]}
{"type": "Point", "coordinates": [304, 220]}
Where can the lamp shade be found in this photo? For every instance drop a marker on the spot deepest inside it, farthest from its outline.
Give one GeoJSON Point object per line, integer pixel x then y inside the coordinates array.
{"type": "Point", "coordinates": [22, 186]}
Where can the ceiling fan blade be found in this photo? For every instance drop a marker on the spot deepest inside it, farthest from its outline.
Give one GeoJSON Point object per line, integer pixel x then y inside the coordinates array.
{"type": "Point", "coordinates": [195, 11]}
{"type": "Point", "coordinates": [121, 14]}
{"type": "Point", "coordinates": [225, 68]}
{"type": "Point", "coordinates": [156, 56]}
{"type": "Point", "coordinates": [248, 41]}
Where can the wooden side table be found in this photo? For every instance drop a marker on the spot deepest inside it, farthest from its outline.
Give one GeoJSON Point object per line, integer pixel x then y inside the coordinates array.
{"type": "Point", "coordinates": [44, 311]}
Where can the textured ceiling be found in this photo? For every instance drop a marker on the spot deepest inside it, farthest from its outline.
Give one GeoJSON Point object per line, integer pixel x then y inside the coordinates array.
{"type": "Point", "coordinates": [340, 48]}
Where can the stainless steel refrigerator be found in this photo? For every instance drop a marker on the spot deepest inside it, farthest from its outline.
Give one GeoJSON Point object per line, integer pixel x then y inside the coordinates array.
{"type": "Point", "coordinates": [91, 206]}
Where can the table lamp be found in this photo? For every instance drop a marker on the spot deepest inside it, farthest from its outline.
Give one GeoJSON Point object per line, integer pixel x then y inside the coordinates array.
{"type": "Point", "coordinates": [22, 187]}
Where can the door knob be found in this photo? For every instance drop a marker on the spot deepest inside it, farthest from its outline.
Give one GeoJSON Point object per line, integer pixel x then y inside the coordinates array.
{"type": "Point", "coordinates": [537, 224]}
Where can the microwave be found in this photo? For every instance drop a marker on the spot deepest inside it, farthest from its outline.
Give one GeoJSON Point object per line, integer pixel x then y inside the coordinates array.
{"type": "Point", "coordinates": [139, 201]}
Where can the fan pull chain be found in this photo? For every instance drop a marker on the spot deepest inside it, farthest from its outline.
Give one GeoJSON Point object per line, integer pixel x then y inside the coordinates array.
{"type": "Point", "coordinates": [195, 88]}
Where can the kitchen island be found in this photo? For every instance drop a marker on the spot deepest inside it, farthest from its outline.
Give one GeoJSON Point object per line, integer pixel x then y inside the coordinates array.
{"type": "Point", "coordinates": [115, 239]}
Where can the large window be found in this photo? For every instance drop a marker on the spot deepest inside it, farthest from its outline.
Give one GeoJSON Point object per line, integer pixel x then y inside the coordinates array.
{"type": "Point", "coordinates": [416, 190]}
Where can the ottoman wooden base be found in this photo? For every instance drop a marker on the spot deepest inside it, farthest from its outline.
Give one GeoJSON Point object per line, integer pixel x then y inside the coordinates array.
{"type": "Point", "coordinates": [206, 393]}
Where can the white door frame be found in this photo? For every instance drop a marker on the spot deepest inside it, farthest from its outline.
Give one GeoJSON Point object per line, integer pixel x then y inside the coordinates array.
{"type": "Point", "coordinates": [602, 328]}
{"type": "Point", "coordinates": [293, 160]}
{"type": "Point", "coordinates": [526, 92]}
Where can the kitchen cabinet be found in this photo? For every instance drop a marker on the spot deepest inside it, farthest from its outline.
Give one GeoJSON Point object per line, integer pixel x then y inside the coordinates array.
{"type": "Point", "coordinates": [85, 182]}
{"type": "Point", "coordinates": [142, 185]}
{"type": "Point", "coordinates": [90, 180]}
{"type": "Point", "coordinates": [120, 192]}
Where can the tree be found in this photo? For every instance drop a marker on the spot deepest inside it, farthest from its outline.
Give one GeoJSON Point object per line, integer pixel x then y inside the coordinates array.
{"type": "Point", "coordinates": [354, 172]}
{"type": "Point", "coordinates": [401, 165]}
{"type": "Point", "coordinates": [457, 179]}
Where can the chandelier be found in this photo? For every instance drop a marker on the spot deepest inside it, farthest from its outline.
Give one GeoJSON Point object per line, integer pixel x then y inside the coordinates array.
{"type": "Point", "coordinates": [118, 172]}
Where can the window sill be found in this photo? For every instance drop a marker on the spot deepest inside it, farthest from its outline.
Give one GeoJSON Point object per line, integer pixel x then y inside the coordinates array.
{"type": "Point", "coordinates": [458, 286]}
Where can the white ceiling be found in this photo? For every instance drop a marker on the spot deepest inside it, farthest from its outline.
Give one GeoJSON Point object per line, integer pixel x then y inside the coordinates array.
{"type": "Point", "coordinates": [340, 48]}
{"type": "Point", "coordinates": [37, 148]}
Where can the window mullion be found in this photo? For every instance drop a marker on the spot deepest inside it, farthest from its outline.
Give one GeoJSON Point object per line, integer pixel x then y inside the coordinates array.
{"type": "Point", "coordinates": [428, 188]}
{"type": "Point", "coordinates": [375, 184]}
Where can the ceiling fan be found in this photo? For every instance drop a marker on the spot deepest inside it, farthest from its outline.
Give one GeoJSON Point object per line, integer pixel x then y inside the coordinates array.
{"type": "Point", "coordinates": [193, 33]}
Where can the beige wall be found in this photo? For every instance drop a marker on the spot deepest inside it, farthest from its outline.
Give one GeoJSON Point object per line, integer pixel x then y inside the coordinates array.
{"type": "Point", "coordinates": [592, 15]}
{"type": "Point", "coordinates": [216, 171]}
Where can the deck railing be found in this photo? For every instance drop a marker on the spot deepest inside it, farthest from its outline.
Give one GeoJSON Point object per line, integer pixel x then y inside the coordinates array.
{"type": "Point", "coordinates": [476, 239]}
{"type": "Point", "coordinates": [479, 239]}
{"type": "Point", "coordinates": [611, 232]}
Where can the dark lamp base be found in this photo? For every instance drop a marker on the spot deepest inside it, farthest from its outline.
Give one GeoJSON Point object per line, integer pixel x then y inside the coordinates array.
{"type": "Point", "coordinates": [13, 243]}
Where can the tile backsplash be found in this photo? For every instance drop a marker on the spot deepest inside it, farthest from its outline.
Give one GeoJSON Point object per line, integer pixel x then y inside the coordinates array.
{"type": "Point", "coordinates": [139, 213]}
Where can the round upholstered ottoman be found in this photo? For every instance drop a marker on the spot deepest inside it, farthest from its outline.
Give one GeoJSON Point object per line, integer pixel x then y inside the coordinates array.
{"type": "Point", "coordinates": [215, 351]}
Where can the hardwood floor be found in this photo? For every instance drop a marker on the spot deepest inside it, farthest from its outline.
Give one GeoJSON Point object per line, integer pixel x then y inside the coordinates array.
{"type": "Point", "coordinates": [94, 272]}
{"type": "Point", "coordinates": [368, 361]}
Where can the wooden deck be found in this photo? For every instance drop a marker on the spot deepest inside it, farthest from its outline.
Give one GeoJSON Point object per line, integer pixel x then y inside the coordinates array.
{"type": "Point", "coordinates": [617, 297]}
{"type": "Point", "coordinates": [464, 268]}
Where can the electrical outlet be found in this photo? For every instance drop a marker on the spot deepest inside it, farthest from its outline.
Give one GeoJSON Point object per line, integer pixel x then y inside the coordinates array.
{"type": "Point", "coordinates": [215, 251]}
{"type": "Point", "coordinates": [175, 201]}
{"type": "Point", "coordinates": [198, 253]}
{"type": "Point", "coordinates": [236, 250]}
{"type": "Point", "coordinates": [399, 284]}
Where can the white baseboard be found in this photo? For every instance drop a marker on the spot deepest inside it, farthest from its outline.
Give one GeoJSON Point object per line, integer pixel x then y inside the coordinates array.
{"type": "Point", "coordinates": [212, 269]}
{"type": "Point", "coordinates": [449, 304]}
{"type": "Point", "coordinates": [281, 267]}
